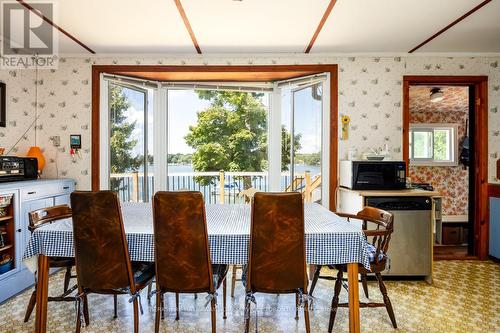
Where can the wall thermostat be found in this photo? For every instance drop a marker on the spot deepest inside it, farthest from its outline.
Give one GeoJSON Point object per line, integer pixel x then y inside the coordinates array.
{"type": "Point", "coordinates": [75, 141]}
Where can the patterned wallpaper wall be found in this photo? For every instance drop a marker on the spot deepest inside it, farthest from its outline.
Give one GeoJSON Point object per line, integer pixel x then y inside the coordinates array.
{"type": "Point", "coordinates": [370, 92]}
{"type": "Point", "coordinates": [451, 181]}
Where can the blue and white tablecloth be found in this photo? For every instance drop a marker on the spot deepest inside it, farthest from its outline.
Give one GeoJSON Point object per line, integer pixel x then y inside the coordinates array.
{"type": "Point", "coordinates": [330, 239]}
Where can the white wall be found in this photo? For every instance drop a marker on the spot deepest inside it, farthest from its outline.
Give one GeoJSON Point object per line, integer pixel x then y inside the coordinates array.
{"type": "Point", "coordinates": [370, 92]}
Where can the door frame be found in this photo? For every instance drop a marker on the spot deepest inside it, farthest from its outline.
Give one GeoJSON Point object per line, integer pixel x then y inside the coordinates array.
{"type": "Point", "coordinates": [209, 73]}
{"type": "Point", "coordinates": [480, 85]}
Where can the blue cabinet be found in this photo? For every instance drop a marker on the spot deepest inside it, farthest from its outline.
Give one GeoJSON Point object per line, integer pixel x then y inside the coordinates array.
{"type": "Point", "coordinates": [495, 227]}
{"type": "Point", "coordinates": [28, 196]}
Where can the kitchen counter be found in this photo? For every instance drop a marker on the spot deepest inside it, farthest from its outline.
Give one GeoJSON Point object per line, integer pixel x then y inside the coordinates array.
{"type": "Point", "coordinates": [393, 193]}
{"type": "Point", "coordinates": [414, 217]}
{"type": "Point", "coordinates": [30, 183]}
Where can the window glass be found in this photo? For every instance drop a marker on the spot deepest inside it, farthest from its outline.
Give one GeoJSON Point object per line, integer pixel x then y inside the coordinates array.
{"type": "Point", "coordinates": [130, 143]}
{"type": "Point", "coordinates": [217, 143]}
{"type": "Point", "coordinates": [422, 144]}
{"type": "Point", "coordinates": [442, 144]}
{"type": "Point", "coordinates": [433, 144]}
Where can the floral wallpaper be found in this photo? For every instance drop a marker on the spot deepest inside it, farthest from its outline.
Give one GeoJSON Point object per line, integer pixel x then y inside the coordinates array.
{"type": "Point", "coordinates": [370, 92]}
{"type": "Point", "coordinates": [451, 181]}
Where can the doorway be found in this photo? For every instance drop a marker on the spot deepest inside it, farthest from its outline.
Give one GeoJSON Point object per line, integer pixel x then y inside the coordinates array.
{"type": "Point", "coordinates": [443, 146]}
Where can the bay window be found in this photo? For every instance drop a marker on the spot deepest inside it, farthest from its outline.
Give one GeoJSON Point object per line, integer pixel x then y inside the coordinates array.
{"type": "Point", "coordinates": [225, 139]}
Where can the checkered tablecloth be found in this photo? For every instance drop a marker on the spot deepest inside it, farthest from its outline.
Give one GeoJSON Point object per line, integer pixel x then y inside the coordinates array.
{"type": "Point", "coordinates": [330, 239]}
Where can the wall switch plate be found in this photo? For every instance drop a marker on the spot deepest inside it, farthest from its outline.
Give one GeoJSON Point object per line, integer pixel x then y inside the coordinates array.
{"type": "Point", "coordinates": [56, 140]}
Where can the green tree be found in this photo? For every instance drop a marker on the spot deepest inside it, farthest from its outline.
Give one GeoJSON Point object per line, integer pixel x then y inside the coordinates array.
{"type": "Point", "coordinates": [120, 142]}
{"type": "Point", "coordinates": [231, 134]}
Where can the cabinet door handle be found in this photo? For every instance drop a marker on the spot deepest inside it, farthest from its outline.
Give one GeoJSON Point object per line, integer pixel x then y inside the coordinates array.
{"type": "Point", "coordinates": [33, 192]}
{"type": "Point", "coordinates": [66, 188]}
{"type": "Point", "coordinates": [18, 230]}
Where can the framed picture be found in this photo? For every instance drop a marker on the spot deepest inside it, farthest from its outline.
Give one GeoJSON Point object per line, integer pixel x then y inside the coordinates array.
{"type": "Point", "coordinates": [3, 120]}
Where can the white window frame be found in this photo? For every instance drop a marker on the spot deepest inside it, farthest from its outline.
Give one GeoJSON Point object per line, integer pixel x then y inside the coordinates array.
{"type": "Point", "coordinates": [161, 122]}
{"type": "Point", "coordinates": [431, 127]}
{"type": "Point", "coordinates": [104, 130]}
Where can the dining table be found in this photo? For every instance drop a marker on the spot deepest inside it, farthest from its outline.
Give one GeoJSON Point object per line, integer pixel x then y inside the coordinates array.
{"type": "Point", "coordinates": [329, 239]}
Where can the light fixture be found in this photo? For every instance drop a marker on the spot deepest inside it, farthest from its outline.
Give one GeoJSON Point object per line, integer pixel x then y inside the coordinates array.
{"type": "Point", "coordinates": [436, 95]}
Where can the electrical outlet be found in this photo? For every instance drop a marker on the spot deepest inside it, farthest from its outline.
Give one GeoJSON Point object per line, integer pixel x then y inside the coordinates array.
{"type": "Point", "coordinates": [56, 140]}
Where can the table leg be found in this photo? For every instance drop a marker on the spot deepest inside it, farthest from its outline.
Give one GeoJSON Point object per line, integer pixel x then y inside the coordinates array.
{"type": "Point", "coordinates": [42, 294]}
{"type": "Point", "coordinates": [311, 270]}
{"type": "Point", "coordinates": [352, 275]}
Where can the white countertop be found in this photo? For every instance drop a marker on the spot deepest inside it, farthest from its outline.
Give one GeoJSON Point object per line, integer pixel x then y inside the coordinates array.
{"type": "Point", "coordinates": [27, 183]}
{"type": "Point", "coordinates": [394, 193]}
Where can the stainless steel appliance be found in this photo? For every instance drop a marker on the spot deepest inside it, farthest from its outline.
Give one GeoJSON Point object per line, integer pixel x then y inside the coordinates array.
{"type": "Point", "coordinates": [410, 248]}
{"type": "Point", "coordinates": [13, 168]}
{"type": "Point", "coordinates": [373, 175]}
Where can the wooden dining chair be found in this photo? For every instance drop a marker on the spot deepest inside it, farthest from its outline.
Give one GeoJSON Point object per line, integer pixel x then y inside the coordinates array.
{"type": "Point", "coordinates": [277, 253]}
{"type": "Point", "coordinates": [378, 226]}
{"type": "Point", "coordinates": [37, 219]}
{"type": "Point", "coordinates": [182, 253]}
{"type": "Point", "coordinates": [103, 263]}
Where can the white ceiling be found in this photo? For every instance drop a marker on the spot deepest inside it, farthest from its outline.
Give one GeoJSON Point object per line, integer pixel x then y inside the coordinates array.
{"type": "Point", "coordinates": [480, 31]}
{"type": "Point", "coordinates": [388, 25]}
{"type": "Point", "coordinates": [254, 25]}
{"type": "Point", "coordinates": [259, 26]}
{"type": "Point", "coordinates": [123, 26]}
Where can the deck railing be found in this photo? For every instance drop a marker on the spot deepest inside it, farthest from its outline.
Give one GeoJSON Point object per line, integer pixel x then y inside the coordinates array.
{"type": "Point", "coordinates": [217, 187]}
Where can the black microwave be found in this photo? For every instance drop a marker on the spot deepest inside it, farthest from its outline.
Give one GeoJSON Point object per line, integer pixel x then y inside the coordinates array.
{"type": "Point", "coordinates": [373, 175]}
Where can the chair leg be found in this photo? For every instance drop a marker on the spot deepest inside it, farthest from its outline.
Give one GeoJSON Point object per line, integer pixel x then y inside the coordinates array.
{"type": "Point", "coordinates": [176, 306]}
{"type": "Point", "coordinates": [115, 304]}
{"type": "Point", "coordinates": [335, 299]}
{"type": "Point", "coordinates": [306, 316]}
{"type": "Point", "coordinates": [224, 288]}
{"type": "Point", "coordinates": [159, 308]}
{"type": "Point", "coordinates": [78, 317]}
{"type": "Point", "coordinates": [31, 306]}
{"type": "Point", "coordinates": [162, 306]}
{"type": "Point", "coordinates": [67, 277]}
{"type": "Point", "coordinates": [387, 301]}
{"type": "Point", "coordinates": [233, 280]}
{"type": "Point", "coordinates": [136, 316]}
{"type": "Point", "coordinates": [365, 284]}
{"type": "Point", "coordinates": [213, 315]}
{"type": "Point", "coordinates": [315, 279]}
{"type": "Point", "coordinates": [149, 292]}
{"type": "Point", "coordinates": [247, 315]}
{"type": "Point", "coordinates": [296, 306]}
{"type": "Point", "coordinates": [86, 310]}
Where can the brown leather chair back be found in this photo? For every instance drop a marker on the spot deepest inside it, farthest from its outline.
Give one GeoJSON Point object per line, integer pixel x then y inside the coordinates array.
{"type": "Point", "coordinates": [182, 252]}
{"type": "Point", "coordinates": [381, 233]}
{"type": "Point", "coordinates": [101, 250]}
{"type": "Point", "coordinates": [42, 216]}
{"type": "Point", "coordinates": [277, 256]}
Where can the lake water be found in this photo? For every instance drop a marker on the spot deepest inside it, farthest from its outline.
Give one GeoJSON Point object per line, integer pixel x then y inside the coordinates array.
{"type": "Point", "coordinates": [299, 168]}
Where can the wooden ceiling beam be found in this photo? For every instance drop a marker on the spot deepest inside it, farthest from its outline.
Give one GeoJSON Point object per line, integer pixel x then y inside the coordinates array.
{"type": "Point", "coordinates": [461, 18]}
{"type": "Point", "coordinates": [49, 21]}
{"type": "Point", "coordinates": [320, 25]}
{"type": "Point", "coordinates": [188, 25]}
